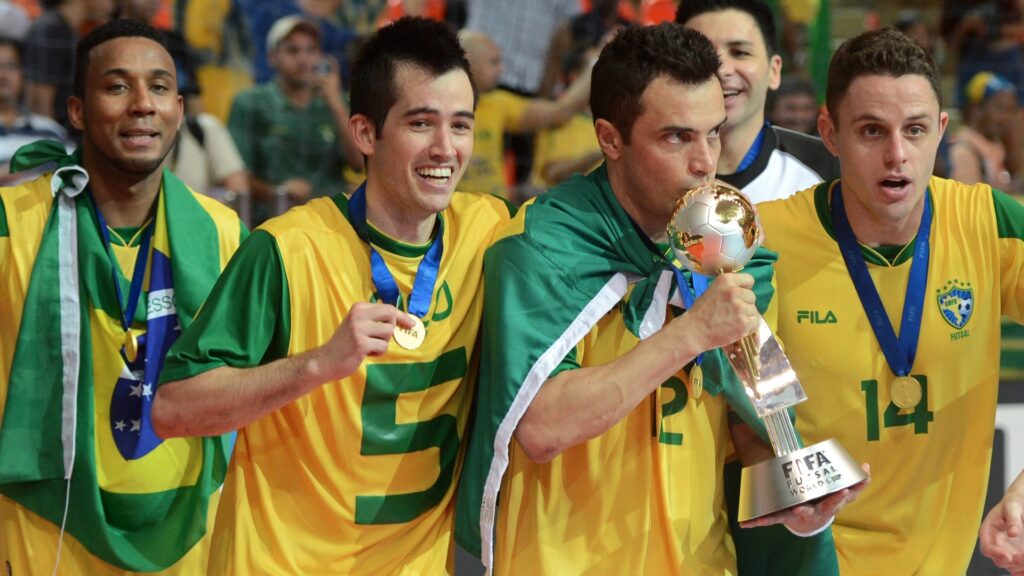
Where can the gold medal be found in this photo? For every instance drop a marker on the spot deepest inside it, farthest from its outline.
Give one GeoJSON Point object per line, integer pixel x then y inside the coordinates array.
{"type": "Point", "coordinates": [905, 392]}
{"type": "Point", "coordinates": [131, 346]}
{"type": "Point", "coordinates": [411, 338]}
{"type": "Point", "coordinates": [696, 381]}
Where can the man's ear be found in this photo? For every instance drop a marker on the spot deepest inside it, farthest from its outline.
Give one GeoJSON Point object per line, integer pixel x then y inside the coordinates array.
{"type": "Point", "coordinates": [827, 131]}
{"type": "Point", "coordinates": [609, 138]}
{"type": "Point", "coordinates": [75, 113]}
{"type": "Point", "coordinates": [363, 133]}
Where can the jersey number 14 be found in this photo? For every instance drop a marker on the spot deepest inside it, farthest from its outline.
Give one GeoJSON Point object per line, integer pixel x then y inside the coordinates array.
{"type": "Point", "coordinates": [919, 417]}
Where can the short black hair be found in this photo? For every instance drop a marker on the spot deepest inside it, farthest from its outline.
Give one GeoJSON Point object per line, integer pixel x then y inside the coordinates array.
{"type": "Point", "coordinates": [883, 52]}
{"type": "Point", "coordinates": [639, 55]}
{"type": "Point", "coordinates": [19, 48]}
{"type": "Point", "coordinates": [414, 41]}
{"type": "Point", "coordinates": [759, 11]}
{"type": "Point", "coordinates": [119, 28]}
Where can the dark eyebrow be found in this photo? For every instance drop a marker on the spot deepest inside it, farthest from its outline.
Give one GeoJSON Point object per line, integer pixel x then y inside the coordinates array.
{"type": "Point", "coordinates": [428, 110]}
{"type": "Point", "coordinates": [124, 72]}
{"type": "Point", "coordinates": [687, 130]}
{"type": "Point", "coordinates": [739, 43]}
{"type": "Point", "coordinates": [868, 116]}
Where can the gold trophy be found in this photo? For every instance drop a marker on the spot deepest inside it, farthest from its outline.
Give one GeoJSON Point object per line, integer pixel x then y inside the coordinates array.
{"type": "Point", "coordinates": [714, 230]}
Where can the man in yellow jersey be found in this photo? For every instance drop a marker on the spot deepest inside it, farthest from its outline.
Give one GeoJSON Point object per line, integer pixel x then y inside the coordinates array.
{"type": "Point", "coordinates": [1002, 533]}
{"type": "Point", "coordinates": [593, 451]}
{"type": "Point", "coordinates": [503, 112]}
{"type": "Point", "coordinates": [891, 285]}
{"type": "Point", "coordinates": [102, 263]}
{"type": "Point", "coordinates": [339, 340]}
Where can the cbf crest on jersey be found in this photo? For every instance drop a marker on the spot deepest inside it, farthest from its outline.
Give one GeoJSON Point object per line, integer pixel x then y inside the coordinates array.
{"type": "Point", "coordinates": [956, 302]}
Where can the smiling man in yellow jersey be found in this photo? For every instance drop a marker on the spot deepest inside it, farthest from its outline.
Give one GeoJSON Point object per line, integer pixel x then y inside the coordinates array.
{"type": "Point", "coordinates": [592, 450]}
{"type": "Point", "coordinates": [891, 284]}
{"type": "Point", "coordinates": [340, 339]}
{"type": "Point", "coordinates": [101, 265]}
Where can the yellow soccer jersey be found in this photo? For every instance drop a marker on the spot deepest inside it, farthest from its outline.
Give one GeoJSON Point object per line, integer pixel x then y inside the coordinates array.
{"type": "Point", "coordinates": [930, 463]}
{"type": "Point", "coordinates": [497, 112]}
{"type": "Point", "coordinates": [29, 542]}
{"type": "Point", "coordinates": [645, 497]}
{"type": "Point", "coordinates": [358, 476]}
{"type": "Point", "coordinates": [572, 140]}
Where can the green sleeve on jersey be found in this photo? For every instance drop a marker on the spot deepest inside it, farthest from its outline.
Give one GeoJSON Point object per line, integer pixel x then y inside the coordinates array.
{"type": "Point", "coordinates": [3, 219]}
{"type": "Point", "coordinates": [1009, 215]}
{"type": "Point", "coordinates": [246, 321]}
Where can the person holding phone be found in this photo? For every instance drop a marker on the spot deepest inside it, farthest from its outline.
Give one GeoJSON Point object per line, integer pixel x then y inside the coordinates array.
{"type": "Point", "coordinates": [293, 131]}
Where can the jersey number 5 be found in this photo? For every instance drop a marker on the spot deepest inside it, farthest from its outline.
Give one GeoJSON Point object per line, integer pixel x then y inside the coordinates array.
{"type": "Point", "coordinates": [382, 434]}
{"type": "Point", "coordinates": [920, 417]}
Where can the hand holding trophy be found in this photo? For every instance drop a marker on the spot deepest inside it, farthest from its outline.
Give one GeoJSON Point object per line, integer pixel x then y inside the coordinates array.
{"type": "Point", "coordinates": [715, 230]}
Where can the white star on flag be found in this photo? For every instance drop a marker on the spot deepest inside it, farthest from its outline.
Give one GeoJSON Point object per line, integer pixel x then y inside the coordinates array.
{"type": "Point", "coordinates": [119, 425]}
{"type": "Point", "coordinates": [136, 390]}
{"type": "Point", "coordinates": [147, 390]}
{"type": "Point", "coordinates": [137, 426]}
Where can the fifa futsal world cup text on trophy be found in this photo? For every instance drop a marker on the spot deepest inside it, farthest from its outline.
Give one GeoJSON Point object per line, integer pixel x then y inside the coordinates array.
{"type": "Point", "coordinates": [714, 230]}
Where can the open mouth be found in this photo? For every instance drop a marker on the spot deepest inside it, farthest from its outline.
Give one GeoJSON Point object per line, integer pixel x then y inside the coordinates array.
{"type": "Point", "coordinates": [895, 183]}
{"type": "Point", "coordinates": [437, 176]}
{"type": "Point", "coordinates": [139, 137]}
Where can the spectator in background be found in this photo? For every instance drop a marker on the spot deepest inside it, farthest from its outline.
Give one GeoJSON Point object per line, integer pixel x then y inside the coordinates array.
{"type": "Point", "coordinates": [205, 156]}
{"type": "Point", "coordinates": [794, 105]}
{"type": "Point", "coordinates": [976, 152]}
{"type": "Point", "coordinates": [913, 24]}
{"type": "Point", "coordinates": [334, 37]}
{"type": "Point", "coordinates": [581, 33]}
{"type": "Point", "coordinates": [500, 112]}
{"type": "Point", "coordinates": [985, 35]}
{"type": "Point", "coordinates": [523, 31]}
{"type": "Point", "coordinates": [50, 53]}
{"type": "Point", "coordinates": [572, 147]}
{"type": "Point", "coordinates": [293, 132]}
{"type": "Point", "coordinates": [218, 34]}
{"type": "Point", "coordinates": [18, 126]}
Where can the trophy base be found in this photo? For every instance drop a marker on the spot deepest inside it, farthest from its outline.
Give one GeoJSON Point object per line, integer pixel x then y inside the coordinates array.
{"type": "Point", "coordinates": [796, 478]}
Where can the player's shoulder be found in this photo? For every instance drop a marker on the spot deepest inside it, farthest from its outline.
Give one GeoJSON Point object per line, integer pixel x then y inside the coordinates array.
{"type": "Point", "coordinates": [221, 214]}
{"type": "Point", "coordinates": [809, 150]}
{"type": "Point", "coordinates": [313, 218]}
{"type": "Point", "coordinates": [799, 204]}
{"type": "Point", "coordinates": [484, 209]}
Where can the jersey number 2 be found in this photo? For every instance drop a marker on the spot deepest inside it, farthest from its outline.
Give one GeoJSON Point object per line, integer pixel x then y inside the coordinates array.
{"type": "Point", "coordinates": [382, 434]}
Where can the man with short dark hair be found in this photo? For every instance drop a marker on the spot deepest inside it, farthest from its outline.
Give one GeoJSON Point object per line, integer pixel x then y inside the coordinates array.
{"type": "Point", "coordinates": [102, 262]}
{"type": "Point", "coordinates": [593, 449]}
{"type": "Point", "coordinates": [891, 286]}
{"type": "Point", "coordinates": [765, 162]}
{"type": "Point", "coordinates": [340, 340]}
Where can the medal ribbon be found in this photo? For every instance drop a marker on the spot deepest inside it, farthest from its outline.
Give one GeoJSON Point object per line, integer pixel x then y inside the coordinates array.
{"type": "Point", "coordinates": [387, 288]}
{"type": "Point", "coordinates": [127, 311]}
{"type": "Point", "coordinates": [690, 293]}
{"type": "Point", "coordinates": [899, 353]}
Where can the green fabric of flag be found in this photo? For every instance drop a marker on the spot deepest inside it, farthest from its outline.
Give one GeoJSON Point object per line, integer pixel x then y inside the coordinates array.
{"type": "Point", "coordinates": [541, 285]}
{"type": "Point", "coordinates": [138, 532]}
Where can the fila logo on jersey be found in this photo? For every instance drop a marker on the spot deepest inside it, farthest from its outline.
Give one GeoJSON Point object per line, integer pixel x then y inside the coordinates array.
{"type": "Point", "coordinates": [816, 317]}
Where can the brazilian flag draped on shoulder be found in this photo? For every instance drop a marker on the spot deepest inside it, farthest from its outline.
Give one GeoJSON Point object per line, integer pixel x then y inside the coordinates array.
{"type": "Point", "coordinates": [565, 261]}
{"type": "Point", "coordinates": [47, 439]}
